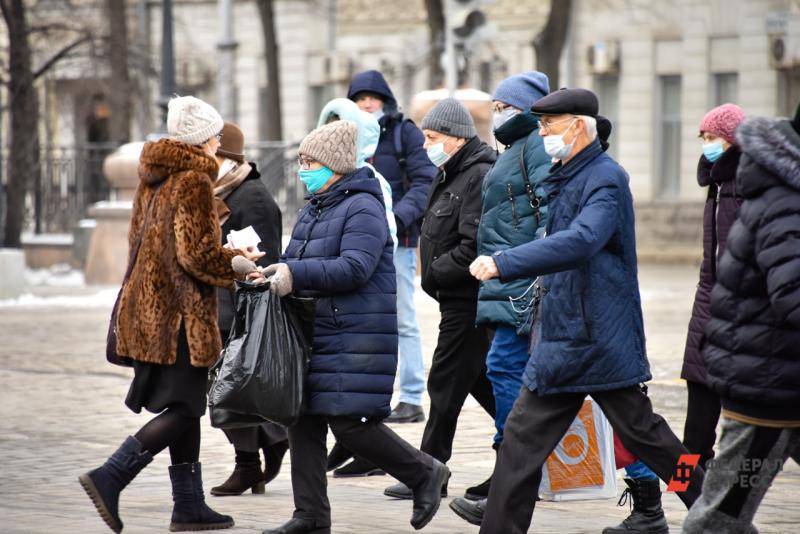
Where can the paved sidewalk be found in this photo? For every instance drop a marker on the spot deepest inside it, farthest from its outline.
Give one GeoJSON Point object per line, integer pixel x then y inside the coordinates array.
{"type": "Point", "coordinates": [62, 412]}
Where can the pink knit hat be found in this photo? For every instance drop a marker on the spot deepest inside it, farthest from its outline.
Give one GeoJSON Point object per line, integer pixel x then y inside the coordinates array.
{"type": "Point", "coordinates": [722, 121]}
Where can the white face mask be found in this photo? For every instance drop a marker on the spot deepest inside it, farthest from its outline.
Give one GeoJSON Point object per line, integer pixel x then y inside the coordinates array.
{"type": "Point", "coordinates": [499, 118]}
{"type": "Point", "coordinates": [555, 147]}
{"type": "Point", "coordinates": [437, 155]}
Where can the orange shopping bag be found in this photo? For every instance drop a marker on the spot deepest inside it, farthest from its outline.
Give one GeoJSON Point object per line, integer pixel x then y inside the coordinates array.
{"type": "Point", "coordinates": [582, 465]}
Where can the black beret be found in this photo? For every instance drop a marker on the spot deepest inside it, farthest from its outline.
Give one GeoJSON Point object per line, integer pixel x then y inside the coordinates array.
{"type": "Point", "coordinates": [573, 101]}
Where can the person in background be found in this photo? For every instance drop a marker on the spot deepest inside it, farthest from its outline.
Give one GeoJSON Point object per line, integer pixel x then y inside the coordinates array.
{"type": "Point", "coordinates": [167, 315]}
{"type": "Point", "coordinates": [402, 160]}
{"type": "Point", "coordinates": [241, 200]}
{"type": "Point", "coordinates": [752, 337]}
{"type": "Point", "coordinates": [341, 254]}
{"type": "Point", "coordinates": [717, 171]}
{"type": "Point", "coordinates": [513, 212]}
{"type": "Point", "coordinates": [447, 247]}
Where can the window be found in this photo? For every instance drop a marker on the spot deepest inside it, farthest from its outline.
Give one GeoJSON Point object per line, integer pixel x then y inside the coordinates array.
{"type": "Point", "coordinates": [788, 91]}
{"type": "Point", "coordinates": [607, 89]}
{"type": "Point", "coordinates": [726, 88]}
{"type": "Point", "coordinates": [668, 136]}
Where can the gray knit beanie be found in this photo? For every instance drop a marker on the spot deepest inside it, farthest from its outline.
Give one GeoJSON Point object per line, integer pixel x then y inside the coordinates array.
{"type": "Point", "coordinates": [192, 121]}
{"type": "Point", "coordinates": [333, 145]}
{"type": "Point", "coordinates": [450, 117]}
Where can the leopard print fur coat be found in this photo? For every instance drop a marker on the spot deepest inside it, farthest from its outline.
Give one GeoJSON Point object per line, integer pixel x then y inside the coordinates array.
{"type": "Point", "coordinates": [180, 259]}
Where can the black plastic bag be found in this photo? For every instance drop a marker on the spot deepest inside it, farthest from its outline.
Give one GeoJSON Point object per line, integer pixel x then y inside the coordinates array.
{"type": "Point", "coordinates": [261, 373]}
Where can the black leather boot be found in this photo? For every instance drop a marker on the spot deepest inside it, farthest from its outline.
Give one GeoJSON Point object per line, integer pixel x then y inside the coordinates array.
{"type": "Point", "coordinates": [647, 516]}
{"type": "Point", "coordinates": [481, 491]}
{"type": "Point", "coordinates": [401, 491]}
{"type": "Point", "coordinates": [104, 484]}
{"type": "Point", "coordinates": [298, 525]}
{"type": "Point", "coordinates": [428, 495]}
{"type": "Point", "coordinates": [273, 460]}
{"type": "Point", "coordinates": [359, 467]}
{"type": "Point", "coordinates": [246, 475]}
{"type": "Point", "coordinates": [190, 511]}
{"type": "Point", "coordinates": [469, 511]}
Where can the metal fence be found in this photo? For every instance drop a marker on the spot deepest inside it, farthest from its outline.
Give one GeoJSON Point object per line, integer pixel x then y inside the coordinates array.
{"type": "Point", "coordinates": [72, 179]}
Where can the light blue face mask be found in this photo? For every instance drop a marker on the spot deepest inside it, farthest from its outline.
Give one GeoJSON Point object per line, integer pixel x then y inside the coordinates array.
{"type": "Point", "coordinates": [315, 179]}
{"type": "Point", "coordinates": [378, 114]}
{"type": "Point", "coordinates": [437, 155]}
{"type": "Point", "coordinates": [713, 151]}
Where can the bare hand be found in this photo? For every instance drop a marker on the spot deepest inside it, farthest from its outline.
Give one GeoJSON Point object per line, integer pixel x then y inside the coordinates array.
{"type": "Point", "coordinates": [257, 277]}
{"type": "Point", "coordinates": [250, 253]}
{"type": "Point", "coordinates": [484, 268]}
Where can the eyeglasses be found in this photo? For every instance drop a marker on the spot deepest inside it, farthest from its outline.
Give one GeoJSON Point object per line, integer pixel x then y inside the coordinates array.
{"type": "Point", "coordinates": [545, 126]}
{"type": "Point", "coordinates": [219, 136]}
{"type": "Point", "coordinates": [305, 162]}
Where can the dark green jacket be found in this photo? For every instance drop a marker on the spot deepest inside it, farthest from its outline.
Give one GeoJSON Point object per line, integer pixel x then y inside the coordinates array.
{"type": "Point", "coordinates": [509, 217]}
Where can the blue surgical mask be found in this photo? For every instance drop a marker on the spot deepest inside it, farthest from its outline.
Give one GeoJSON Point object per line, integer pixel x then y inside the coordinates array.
{"type": "Point", "coordinates": [713, 151]}
{"type": "Point", "coordinates": [555, 147]}
{"type": "Point", "coordinates": [315, 179]}
{"type": "Point", "coordinates": [437, 155]}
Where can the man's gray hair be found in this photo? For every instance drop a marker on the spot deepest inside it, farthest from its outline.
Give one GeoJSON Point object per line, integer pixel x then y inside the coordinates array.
{"type": "Point", "coordinates": [591, 125]}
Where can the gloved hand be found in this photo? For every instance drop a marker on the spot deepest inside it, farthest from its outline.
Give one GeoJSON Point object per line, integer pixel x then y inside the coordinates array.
{"type": "Point", "coordinates": [279, 277]}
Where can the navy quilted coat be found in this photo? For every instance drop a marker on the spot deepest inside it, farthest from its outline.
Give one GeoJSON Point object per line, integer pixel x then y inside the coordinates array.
{"type": "Point", "coordinates": [341, 254]}
{"type": "Point", "coordinates": [589, 335]}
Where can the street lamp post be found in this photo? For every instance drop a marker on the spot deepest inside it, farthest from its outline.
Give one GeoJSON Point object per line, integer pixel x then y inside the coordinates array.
{"type": "Point", "coordinates": [167, 85]}
{"type": "Point", "coordinates": [226, 47]}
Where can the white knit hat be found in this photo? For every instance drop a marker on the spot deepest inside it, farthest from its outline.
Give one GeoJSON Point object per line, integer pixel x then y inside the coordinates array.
{"type": "Point", "coordinates": [192, 121]}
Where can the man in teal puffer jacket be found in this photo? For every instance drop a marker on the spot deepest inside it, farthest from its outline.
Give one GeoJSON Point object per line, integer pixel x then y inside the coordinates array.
{"type": "Point", "coordinates": [513, 213]}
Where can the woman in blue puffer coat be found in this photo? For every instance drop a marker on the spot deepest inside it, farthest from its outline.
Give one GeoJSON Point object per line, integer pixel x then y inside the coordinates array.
{"type": "Point", "coordinates": [341, 254]}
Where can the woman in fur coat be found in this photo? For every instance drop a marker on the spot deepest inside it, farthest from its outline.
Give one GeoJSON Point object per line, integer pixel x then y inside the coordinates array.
{"type": "Point", "coordinates": [167, 314]}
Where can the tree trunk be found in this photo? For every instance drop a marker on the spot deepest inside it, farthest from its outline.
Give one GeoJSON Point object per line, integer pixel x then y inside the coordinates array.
{"type": "Point", "coordinates": [274, 127]}
{"type": "Point", "coordinates": [119, 87]}
{"type": "Point", "coordinates": [549, 44]}
{"type": "Point", "coordinates": [436, 42]}
{"type": "Point", "coordinates": [23, 157]}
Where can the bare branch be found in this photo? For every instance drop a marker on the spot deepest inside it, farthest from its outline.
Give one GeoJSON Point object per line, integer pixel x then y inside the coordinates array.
{"type": "Point", "coordinates": [60, 55]}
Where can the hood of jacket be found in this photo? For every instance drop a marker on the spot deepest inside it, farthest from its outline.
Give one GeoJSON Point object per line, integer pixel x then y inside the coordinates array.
{"type": "Point", "coordinates": [165, 157]}
{"type": "Point", "coordinates": [369, 131]}
{"type": "Point", "coordinates": [520, 125]}
{"type": "Point", "coordinates": [773, 144]}
{"type": "Point", "coordinates": [374, 82]}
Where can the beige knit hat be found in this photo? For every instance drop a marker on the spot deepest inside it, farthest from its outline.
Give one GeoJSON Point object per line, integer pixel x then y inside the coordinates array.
{"type": "Point", "coordinates": [192, 121]}
{"type": "Point", "coordinates": [333, 145]}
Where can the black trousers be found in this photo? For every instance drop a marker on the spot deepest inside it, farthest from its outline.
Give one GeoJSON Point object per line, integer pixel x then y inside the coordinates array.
{"type": "Point", "coordinates": [458, 369]}
{"type": "Point", "coordinates": [702, 415]}
{"type": "Point", "coordinates": [251, 439]}
{"type": "Point", "coordinates": [371, 440]}
{"type": "Point", "coordinates": [536, 425]}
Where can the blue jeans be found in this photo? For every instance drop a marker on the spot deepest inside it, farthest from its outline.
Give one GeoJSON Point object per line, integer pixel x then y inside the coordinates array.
{"type": "Point", "coordinates": [505, 364]}
{"type": "Point", "coordinates": [639, 471]}
{"type": "Point", "coordinates": [411, 366]}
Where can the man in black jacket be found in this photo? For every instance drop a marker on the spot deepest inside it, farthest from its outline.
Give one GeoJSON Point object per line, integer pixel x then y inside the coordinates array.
{"type": "Point", "coordinates": [448, 244]}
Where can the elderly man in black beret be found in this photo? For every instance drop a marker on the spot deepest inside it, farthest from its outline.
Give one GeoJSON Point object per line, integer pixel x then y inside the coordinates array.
{"type": "Point", "coordinates": [588, 333]}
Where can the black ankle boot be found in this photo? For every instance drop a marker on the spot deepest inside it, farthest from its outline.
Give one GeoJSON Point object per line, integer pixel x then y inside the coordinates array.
{"type": "Point", "coordinates": [647, 516]}
{"type": "Point", "coordinates": [190, 511]}
{"type": "Point", "coordinates": [298, 525]}
{"type": "Point", "coordinates": [104, 484]}
{"type": "Point", "coordinates": [481, 491]}
{"type": "Point", "coordinates": [359, 467]}
{"type": "Point", "coordinates": [246, 475]}
{"type": "Point", "coordinates": [428, 495]}
{"type": "Point", "coordinates": [273, 459]}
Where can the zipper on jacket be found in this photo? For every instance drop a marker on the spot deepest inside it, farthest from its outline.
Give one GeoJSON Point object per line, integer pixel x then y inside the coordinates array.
{"type": "Point", "coordinates": [514, 215]}
{"type": "Point", "coordinates": [302, 250]}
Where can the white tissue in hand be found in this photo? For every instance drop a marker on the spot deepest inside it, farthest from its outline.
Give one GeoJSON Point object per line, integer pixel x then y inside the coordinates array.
{"type": "Point", "coordinates": [246, 237]}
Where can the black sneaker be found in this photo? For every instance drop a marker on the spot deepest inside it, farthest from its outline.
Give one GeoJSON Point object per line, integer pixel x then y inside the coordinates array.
{"type": "Point", "coordinates": [406, 413]}
{"type": "Point", "coordinates": [359, 467]}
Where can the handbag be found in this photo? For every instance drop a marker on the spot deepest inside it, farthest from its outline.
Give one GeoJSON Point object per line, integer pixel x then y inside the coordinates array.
{"type": "Point", "coordinates": [111, 338]}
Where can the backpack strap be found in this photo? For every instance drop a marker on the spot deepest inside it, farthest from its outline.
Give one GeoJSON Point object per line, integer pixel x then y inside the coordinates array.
{"type": "Point", "coordinates": [400, 154]}
{"type": "Point", "coordinates": [534, 201]}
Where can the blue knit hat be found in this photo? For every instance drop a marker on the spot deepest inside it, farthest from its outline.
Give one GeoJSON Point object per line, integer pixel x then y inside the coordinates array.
{"type": "Point", "coordinates": [522, 90]}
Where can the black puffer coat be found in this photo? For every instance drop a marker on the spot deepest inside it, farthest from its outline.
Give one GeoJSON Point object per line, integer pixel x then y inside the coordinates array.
{"type": "Point", "coordinates": [722, 206]}
{"type": "Point", "coordinates": [753, 349]}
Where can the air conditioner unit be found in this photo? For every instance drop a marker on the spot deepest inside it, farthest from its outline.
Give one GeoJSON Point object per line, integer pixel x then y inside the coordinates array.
{"type": "Point", "coordinates": [783, 51]}
{"type": "Point", "coordinates": [603, 57]}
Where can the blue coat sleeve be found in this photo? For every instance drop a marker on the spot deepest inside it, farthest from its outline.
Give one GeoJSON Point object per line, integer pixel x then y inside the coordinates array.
{"type": "Point", "coordinates": [567, 249]}
{"type": "Point", "coordinates": [421, 173]}
{"type": "Point", "coordinates": [363, 239]}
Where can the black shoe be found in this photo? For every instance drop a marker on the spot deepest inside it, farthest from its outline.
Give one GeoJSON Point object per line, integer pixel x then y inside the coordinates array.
{"type": "Point", "coordinates": [428, 496]}
{"type": "Point", "coordinates": [481, 491]}
{"type": "Point", "coordinates": [470, 511]}
{"type": "Point", "coordinates": [297, 525]}
{"type": "Point", "coordinates": [273, 459]}
{"type": "Point", "coordinates": [245, 476]}
{"type": "Point", "coordinates": [338, 456]}
{"type": "Point", "coordinates": [647, 516]}
{"type": "Point", "coordinates": [359, 467]}
{"type": "Point", "coordinates": [104, 484]}
{"type": "Point", "coordinates": [190, 511]}
{"type": "Point", "coordinates": [406, 413]}
{"type": "Point", "coordinates": [401, 491]}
